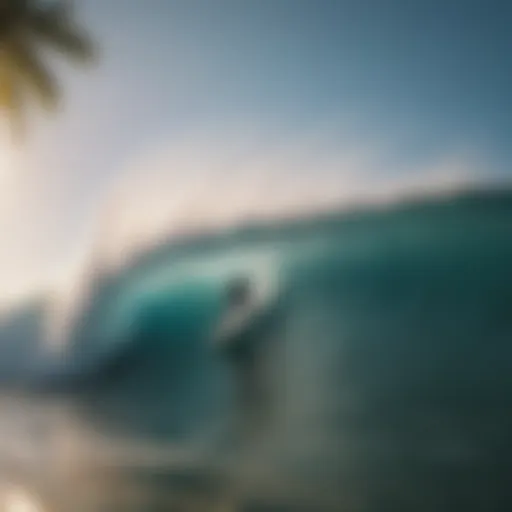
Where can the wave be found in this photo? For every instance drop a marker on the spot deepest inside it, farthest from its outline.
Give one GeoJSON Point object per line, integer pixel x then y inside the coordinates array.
{"type": "Point", "coordinates": [98, 319]}
{"type": "Point", "coordinates": [389, 354]}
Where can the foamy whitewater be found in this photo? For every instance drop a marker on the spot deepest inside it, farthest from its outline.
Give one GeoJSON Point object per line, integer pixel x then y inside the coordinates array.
{"type": "Point", "coordinates": [388, 357]}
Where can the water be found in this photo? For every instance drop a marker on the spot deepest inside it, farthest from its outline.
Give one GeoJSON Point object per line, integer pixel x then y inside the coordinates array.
{"type": "Point", "coordinates": [386, 365]}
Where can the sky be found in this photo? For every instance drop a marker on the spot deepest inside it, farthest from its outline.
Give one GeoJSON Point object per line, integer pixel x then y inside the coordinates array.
{"type": "Point", "coordinates": [198, 102]}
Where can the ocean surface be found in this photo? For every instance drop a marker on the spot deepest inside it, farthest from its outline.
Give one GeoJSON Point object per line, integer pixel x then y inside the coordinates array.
{"type": "Point", "coordinates": [385, 353]}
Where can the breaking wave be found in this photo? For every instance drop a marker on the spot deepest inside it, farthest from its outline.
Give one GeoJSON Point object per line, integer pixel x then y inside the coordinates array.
{"type": "Point", "coordinates": [389, 353]}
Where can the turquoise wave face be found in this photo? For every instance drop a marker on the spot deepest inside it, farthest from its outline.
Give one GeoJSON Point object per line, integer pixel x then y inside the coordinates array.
{"type": "Point", "coordinates": [385, 363]}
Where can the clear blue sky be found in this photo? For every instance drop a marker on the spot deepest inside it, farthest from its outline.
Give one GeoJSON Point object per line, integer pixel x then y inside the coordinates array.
{"type": "Point", "coordinates": [426, 80]}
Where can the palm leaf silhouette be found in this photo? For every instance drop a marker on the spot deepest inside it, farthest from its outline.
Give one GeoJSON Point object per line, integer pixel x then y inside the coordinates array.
{"type": "Point", "coordinates": [27, 29]}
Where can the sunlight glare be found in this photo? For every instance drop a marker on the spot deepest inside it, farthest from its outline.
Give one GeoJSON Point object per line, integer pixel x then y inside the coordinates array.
{"type": "Point", "coordinates": [17, 500]}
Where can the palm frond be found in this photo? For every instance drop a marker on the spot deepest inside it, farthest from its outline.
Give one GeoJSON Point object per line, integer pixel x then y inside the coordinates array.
{"type": "Point", "coordinates": [11, 103]}
{"type": "Point", "coordinates": [53, 25]}
{"type": "Point", "coordinates": [27, 28]}
{"type": "Point", "coordinates": [12, 12]}
{"type": "Point", "coordinates": [27, 64]}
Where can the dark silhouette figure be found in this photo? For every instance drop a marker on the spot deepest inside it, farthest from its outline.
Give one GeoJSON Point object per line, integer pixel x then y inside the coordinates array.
{"type": "Point", "coordinates": [239, 292]}
{"type": "Point", "coordinates": [246, 355]}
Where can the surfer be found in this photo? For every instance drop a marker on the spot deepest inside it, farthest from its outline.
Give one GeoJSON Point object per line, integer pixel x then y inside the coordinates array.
{"type": "Point", "coordinates": [238, 293]}
{"type": "Point", "coordinates": [243, 348]}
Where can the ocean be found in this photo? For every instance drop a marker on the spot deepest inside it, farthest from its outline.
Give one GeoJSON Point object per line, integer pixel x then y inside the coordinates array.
{"type": "Point", "coordinates": [385, 354]}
